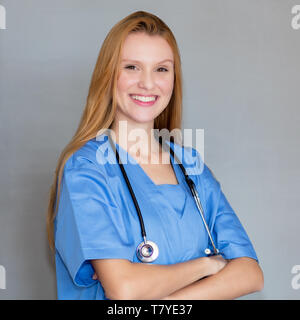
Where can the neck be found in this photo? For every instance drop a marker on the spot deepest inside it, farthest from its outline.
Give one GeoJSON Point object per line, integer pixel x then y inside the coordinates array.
{"type": "Point", "coordinates": [137, 139]}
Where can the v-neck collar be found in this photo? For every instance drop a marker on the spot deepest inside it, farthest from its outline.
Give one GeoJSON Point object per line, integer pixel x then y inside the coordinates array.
{"type": "Point", "coordinates": [126, 157]}
{"type": "Point", "coordinates": [133, 169]}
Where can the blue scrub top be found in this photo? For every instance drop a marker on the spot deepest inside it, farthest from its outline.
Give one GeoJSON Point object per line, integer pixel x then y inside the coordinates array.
{"type": "Point", "coordinates": [97, 218]}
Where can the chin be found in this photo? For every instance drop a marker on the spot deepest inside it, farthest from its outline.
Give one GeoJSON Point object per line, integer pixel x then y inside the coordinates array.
{"type": "Point", "coordinates": [143, 119]}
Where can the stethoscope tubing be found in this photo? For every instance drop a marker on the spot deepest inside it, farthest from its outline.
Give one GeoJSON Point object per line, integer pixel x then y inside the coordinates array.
{"type": "Point", "coordinates": [143, 230]}
{"type": "Point", "coordinates": [194, 192]}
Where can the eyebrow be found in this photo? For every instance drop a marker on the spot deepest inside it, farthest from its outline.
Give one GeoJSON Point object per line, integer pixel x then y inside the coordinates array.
{"type": "Point", "coordinates": [140, 61]}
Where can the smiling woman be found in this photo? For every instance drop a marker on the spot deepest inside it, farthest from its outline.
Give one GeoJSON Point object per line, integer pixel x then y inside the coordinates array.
{"type": "Point", "coordinates": [92, 218]}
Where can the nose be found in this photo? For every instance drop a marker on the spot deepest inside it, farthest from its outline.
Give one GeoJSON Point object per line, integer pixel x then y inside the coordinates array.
{"type": "Point", "coordinates": [146, 80]}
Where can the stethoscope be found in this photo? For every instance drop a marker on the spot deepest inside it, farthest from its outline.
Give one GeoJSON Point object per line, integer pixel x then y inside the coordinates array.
{"type": "Point", "coordinates": [147, 251]}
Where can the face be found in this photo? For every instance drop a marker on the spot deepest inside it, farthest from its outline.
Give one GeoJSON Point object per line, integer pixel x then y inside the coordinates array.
{"type": "Point", "coordinates": [146, 72]}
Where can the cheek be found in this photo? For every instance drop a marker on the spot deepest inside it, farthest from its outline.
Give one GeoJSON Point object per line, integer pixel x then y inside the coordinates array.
{"type": "Point", "coordinates": [166, 86]}
{"type": "Point", "coordinates": [125, 82]}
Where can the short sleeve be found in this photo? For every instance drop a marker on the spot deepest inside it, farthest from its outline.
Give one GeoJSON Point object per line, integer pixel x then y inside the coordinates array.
{"type": "Point", "coordinates": [231, 237]}
{"type": "Point", "coordinates": [89, 224]}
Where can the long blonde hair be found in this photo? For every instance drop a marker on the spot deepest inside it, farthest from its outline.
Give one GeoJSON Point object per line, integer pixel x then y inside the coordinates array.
{"type": "Point", "coordinates": [101, 105]}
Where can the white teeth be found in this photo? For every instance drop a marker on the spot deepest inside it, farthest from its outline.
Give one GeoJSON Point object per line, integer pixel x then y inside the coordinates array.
{"type": "Point", "coordinates": [144, 99]}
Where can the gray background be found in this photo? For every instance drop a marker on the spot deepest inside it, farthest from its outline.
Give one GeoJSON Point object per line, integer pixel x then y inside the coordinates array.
{"type": "Point", "coordinates": [240, 63]}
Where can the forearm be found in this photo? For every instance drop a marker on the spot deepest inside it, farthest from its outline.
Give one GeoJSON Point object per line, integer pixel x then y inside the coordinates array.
{"type": "Point", "coordinates": [157, 281]}
{"type": "Point", "coordinates": [239, 277]}
{"type": "Point", "coordinates": [138, 281]}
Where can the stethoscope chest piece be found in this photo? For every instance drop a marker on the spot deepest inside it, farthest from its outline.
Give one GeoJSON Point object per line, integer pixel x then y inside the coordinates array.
{"type": "Point", "coordinates": [147, 251]}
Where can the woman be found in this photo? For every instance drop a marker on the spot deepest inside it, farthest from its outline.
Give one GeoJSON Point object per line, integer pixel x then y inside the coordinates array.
{"type": "Point", "coordinates": [93, 223]}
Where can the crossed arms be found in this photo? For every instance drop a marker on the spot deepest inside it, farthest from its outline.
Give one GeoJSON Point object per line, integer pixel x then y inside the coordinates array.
{"type": "Point", "coordinates": [197, 279]}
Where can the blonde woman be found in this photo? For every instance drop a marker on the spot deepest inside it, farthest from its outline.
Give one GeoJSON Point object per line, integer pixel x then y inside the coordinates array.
{"type": "Point", "coordinates": [93, 221]}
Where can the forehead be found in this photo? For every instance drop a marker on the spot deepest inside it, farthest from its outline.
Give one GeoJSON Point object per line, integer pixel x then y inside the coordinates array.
{"type": "Point", "coordinates": [145, 48]}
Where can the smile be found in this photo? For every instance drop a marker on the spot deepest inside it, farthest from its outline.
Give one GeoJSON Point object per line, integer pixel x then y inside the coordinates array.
{"type": "Point", "coordinates": [143, 98]}
{"type": "Point", "coordinates": [144, 101]}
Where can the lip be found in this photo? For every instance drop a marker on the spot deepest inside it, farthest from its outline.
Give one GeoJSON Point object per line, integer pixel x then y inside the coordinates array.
{"type": "Point", "coordinates": [144, 104]}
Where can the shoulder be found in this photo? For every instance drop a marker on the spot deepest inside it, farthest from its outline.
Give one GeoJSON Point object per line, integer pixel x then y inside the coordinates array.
{"type": "Point", "coordinates": [84, 157]}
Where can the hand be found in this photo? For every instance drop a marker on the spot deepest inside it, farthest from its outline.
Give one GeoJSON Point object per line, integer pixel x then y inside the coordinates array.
{"type": "Point", "coordinates": [216, 263]}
